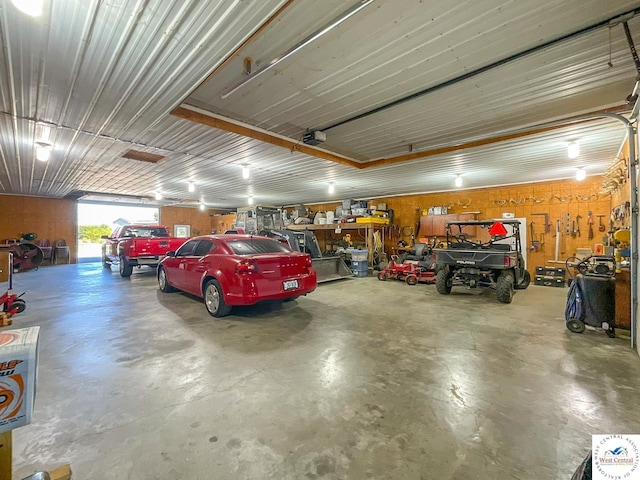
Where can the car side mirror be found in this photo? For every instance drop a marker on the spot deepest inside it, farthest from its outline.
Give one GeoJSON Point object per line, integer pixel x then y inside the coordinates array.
{"type": "Point", "coordinates": [105, 237]}
{"type": "Point", "coordinates": [171, 253]}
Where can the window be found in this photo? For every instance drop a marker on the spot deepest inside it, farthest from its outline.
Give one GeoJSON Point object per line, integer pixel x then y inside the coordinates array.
{"type": "Point", "coordinates": [187, 249]}
{"type": "Point", "coordinates": [204, 247]}
{"type": "Point", "coordinates": [252, 246]}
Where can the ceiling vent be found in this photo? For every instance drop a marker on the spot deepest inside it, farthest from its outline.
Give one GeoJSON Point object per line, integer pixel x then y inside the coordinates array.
{"type": "Point", "coordinates": [143, 156]}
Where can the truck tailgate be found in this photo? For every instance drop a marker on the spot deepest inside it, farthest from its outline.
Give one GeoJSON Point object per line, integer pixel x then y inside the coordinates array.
{"type": "Point", "coordinates": [147, 247]}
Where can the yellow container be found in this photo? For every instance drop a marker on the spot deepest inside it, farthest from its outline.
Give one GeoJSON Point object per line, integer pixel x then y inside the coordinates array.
{"type": "Point", "coordinates": [376, 220]}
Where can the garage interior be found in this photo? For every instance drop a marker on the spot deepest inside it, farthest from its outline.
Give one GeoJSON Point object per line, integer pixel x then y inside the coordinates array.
{"type": "Point", "coordinates": [425, 112]}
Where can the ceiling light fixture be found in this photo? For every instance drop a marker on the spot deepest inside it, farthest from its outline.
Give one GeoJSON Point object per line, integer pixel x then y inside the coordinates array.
{"type": "Point", "coordinates": [581, 174]}
{"type": "Point", "coordinates": [458, 181]}
{"type": "Point", "coordinates": [192, 187]}
{"type": "Point", "coordinates": [202, 207]}
{"type": "Point", "coordinates": [332, 187]}
{"type": "Point", "coordinates": [43, 151]}
{"type": "Point", "coordinates": [303, 43]}
{"type": "Point", "coordinates": [573, 150]}
{"type": "Point", "coordinates": [158, 196]}
{"type": "Point", "coordinates": [246, 173]}
{"type": "Point", "coordinates": [250, 201]}
{"type": "Point", "coordinates": [32, 8]}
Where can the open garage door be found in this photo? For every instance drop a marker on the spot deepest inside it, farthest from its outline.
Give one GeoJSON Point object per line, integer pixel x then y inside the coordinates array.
{"type": "Point", "coordinates": [100, 218]}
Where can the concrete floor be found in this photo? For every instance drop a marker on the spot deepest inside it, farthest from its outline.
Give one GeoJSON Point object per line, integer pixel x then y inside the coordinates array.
{"type": "Point", "coordinates": [359, 380]}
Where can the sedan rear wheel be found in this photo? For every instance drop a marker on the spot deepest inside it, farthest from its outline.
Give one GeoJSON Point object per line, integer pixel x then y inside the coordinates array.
{"type": "Point", "coordinates": [214, 299]}
{"type": "Point", "coordinates": [163, 283]}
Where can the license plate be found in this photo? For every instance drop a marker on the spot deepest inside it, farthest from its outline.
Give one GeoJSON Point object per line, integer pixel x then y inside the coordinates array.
{"type": "Point", "coordinates": [290, 284]}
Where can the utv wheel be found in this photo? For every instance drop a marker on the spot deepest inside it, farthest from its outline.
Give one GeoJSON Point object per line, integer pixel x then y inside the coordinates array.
{"type": "Point", "coordinates": [382, 276]}
{"type": "Point", "coordinates": [526, 280]}
{"type": "Point", "coordinates": [504, 288]}
{"type": "Point", "coordinates": [125, 268]}
{"type": "Point", "coordinates": [105, 263]}
{"type": "Point", "coordinates": [163, 282]}
{"type": "Point", "coordinates": [214, 299]}
{"type": "Point", "coordinates": [411, 280]}
{"type": "Point", "coordinates": [576, 326]}
{"type": "Point", "coordinates": [444, 282]}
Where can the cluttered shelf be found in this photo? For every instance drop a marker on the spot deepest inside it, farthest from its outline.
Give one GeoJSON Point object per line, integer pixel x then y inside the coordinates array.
{"type": "Point", "coordinates": [333, 226]}
{"type": "Point", "coordinates": [370, 227]}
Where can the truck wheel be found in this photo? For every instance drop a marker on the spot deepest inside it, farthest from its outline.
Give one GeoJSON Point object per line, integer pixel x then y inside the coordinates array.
{"type": "Point", "coordinates": [214, 299]}
{"type": "Point", "coordinates": [162, 281]}
{"type": "Point", "coordinates": [443, 282]}
{"type": "Point", "coordinates": [526, 280]}
{"type": "Point", "coordinates": [504, 287]}
{"type": "Point", "coordinates": [125, 268]}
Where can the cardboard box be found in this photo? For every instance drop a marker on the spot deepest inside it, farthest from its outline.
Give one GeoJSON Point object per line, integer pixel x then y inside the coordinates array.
{"type": "Point", "coordinates": [18, 370]}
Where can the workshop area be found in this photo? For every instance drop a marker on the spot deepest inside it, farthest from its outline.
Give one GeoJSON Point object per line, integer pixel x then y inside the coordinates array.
{"type": "Point", "coordinates": [284, 239]}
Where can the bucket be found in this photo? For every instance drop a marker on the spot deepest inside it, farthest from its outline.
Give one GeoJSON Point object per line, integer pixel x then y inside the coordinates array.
{"type": "Point", "coordinates": [359, 255]}
{"type": "Point", "coordinates": [360, 266]}
{"type": "Point", "coordinates": [361, 274]}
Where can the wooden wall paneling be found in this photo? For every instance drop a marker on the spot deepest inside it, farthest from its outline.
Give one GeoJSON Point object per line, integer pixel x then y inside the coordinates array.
{"type": "Point", "coordinates": [52, 218]}
{"type": "Point", "coordinates": [518, 199]}
{"type": "Point", "coordinates": [199, 220]}
{"type": "Point", "coordinates": [222, 223]}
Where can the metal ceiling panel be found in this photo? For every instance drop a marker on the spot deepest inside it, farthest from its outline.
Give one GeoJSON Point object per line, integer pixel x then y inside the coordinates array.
{"type": "Point", "coordinates": [105, 75]}
{"type": "Point", "coordinates": [393, 49]}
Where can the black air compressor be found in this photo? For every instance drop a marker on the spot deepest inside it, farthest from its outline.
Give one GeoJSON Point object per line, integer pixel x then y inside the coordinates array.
{"type": "Point", "coordinates": [591, 297]}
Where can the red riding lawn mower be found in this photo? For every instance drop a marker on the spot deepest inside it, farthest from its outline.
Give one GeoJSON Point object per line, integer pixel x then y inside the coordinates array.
{"type": "Point", "coordinates": [413, 266]}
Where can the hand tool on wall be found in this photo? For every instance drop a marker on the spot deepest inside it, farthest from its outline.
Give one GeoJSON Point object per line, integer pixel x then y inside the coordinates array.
{"type": "Point", "coordinates": [590, 223]}
{"type": "Point", "coordinates": [557, 239]}
{"type": "Point", "coordinates": [601, 226]}
{"type": "Point", "coordinates": [578, 217]}
{"type": "Point", "coordinates": [547, 225]}
{"type": "Point", "coordinates": [534, 242]}
{"type": "Point", "coordinates": [568, 224]}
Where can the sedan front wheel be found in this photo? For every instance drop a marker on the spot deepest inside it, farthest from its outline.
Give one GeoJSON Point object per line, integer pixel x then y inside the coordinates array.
{"type": "Point", "coordinates": [163, 283]}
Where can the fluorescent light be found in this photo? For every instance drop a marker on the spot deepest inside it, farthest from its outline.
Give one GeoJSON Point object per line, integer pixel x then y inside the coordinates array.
{"type": "Point", "coordinates": [573, 150]}
{"type": "Point", "coordinates": [250, 200]}
{"type": "Point", "coordinates": [32, 8]}
{"type": "Point", "coordinates": [202, 207]}
{"type": "Point", "coordinates": [332, 187]}
{"type": "Point", "coordinates": [245, 172]}
{"type": "Point", "coordinates": [158, 196]}
{"type": "Point", "coordinates": [192, 187]}
{"type": "Point", "coordinates": [581, 174]}
{"type": "Point", "coordinates": [43, 153]}
{"type": "Point", "coordinates": [458, 181]}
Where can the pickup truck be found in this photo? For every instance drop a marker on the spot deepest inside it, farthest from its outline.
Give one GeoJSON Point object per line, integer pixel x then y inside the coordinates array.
{"type": "Point", "coordinates": [137, 245]}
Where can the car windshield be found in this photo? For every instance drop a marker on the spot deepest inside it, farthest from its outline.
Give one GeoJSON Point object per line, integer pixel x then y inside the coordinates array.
{"type": "Point", "coordinates": [251, 246]}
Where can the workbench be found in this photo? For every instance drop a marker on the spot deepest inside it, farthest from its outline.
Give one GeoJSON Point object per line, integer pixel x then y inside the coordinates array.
{"type": "Point", "coordinates": [370, 227]}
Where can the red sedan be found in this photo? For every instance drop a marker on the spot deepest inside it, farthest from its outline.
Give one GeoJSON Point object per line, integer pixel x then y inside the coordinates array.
{"type": "Point", "coordinates": [228, 270]}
